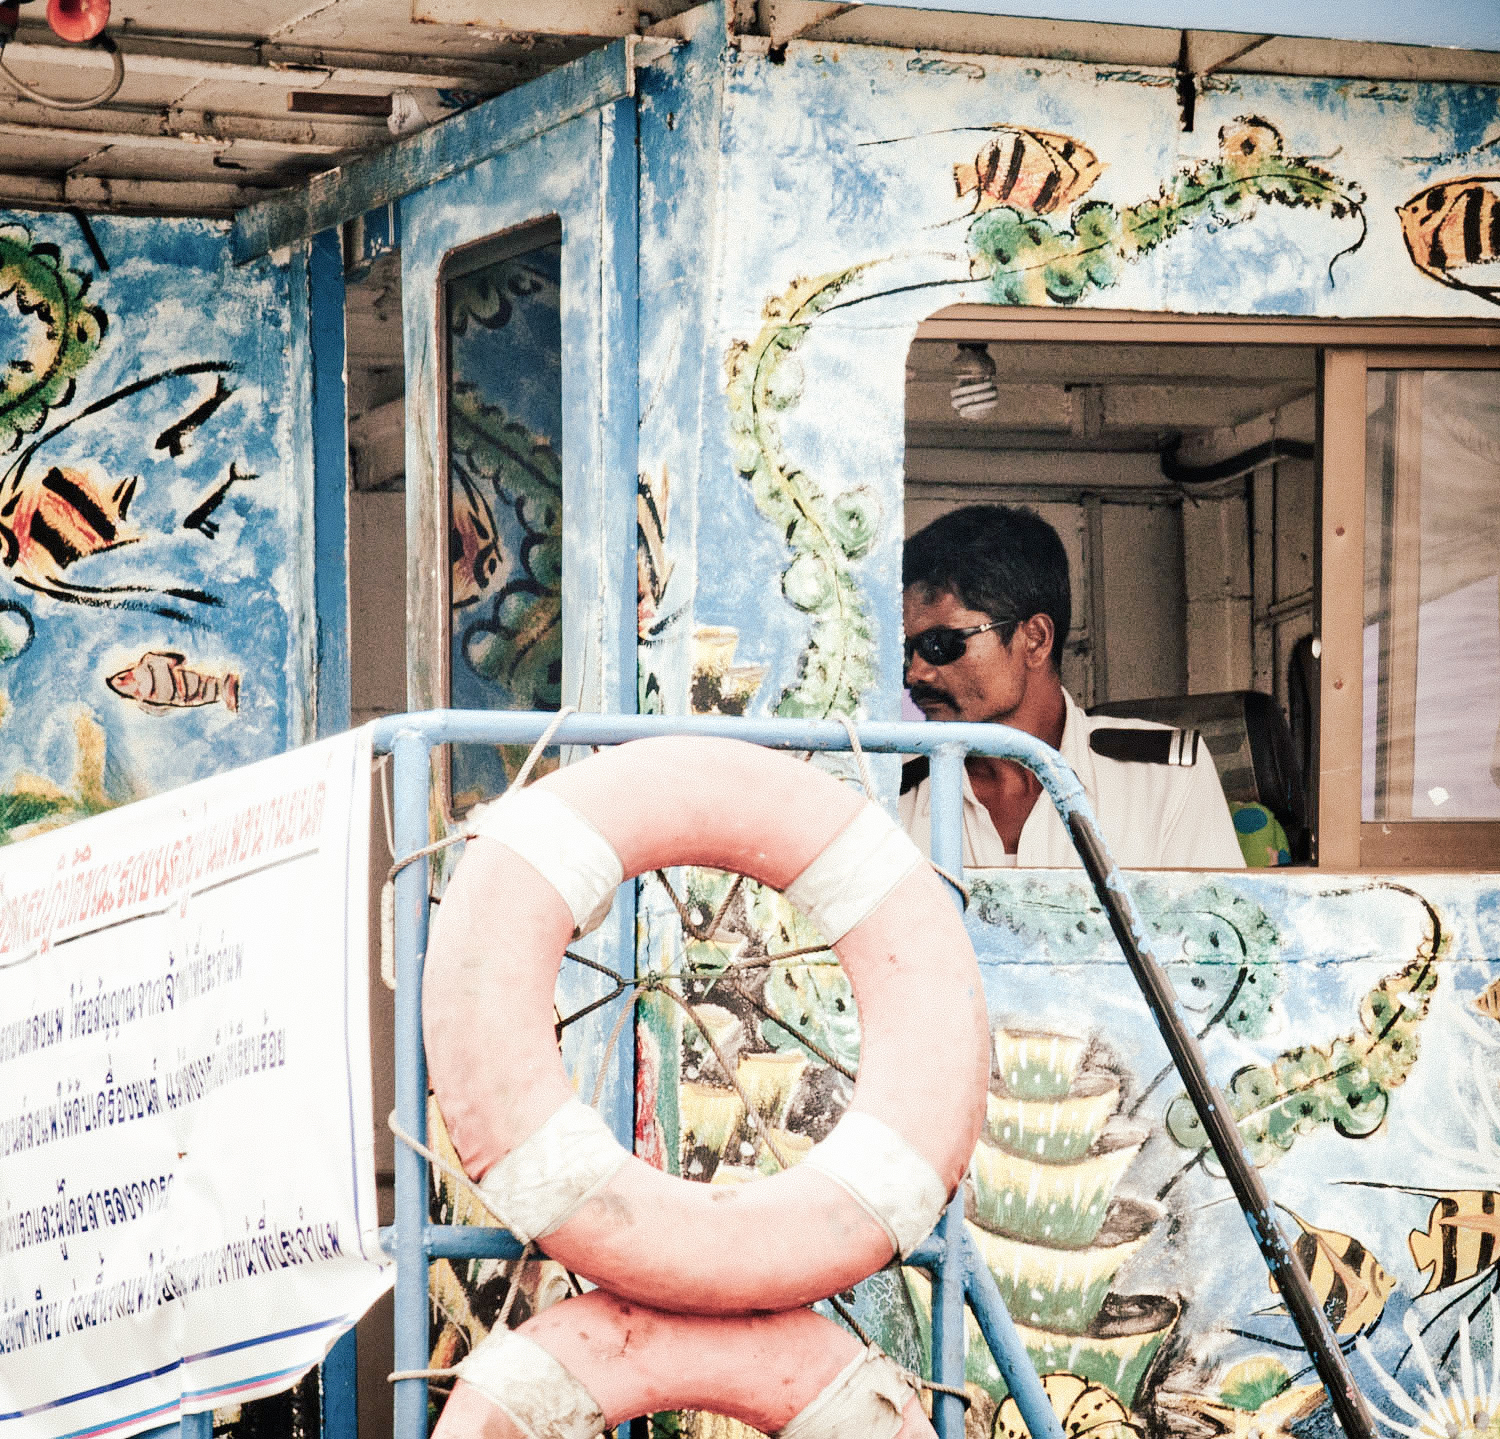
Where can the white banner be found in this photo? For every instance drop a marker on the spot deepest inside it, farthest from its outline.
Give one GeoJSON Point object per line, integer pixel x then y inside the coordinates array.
{"type": "Point", "coordinates": [187, 1192]}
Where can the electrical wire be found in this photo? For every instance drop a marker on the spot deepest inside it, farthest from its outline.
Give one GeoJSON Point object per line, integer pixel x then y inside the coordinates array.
{"type": "Point", "coordinates": [42, 98]}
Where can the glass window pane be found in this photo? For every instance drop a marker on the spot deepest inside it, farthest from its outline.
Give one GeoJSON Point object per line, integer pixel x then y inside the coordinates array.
{"type": "Point", "coordinates": [1432, 596]}
{"type": "Point", "coordinates": [504, 415]}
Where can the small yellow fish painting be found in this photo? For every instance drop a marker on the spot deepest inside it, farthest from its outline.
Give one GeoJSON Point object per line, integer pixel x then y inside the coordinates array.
{"type": "Point", "coordinates": [1249, 140]}
{"type": "Point", "coordinates": [1460, 1239]}
{"type": "Point", "coordinates": [1348, 1280]}
{"type": "Point", "coordinates": [1452, 233]}
{"type": "Point", "coordinates": [161, 680]}
{"type": "Point", "coordinates": [1034, 170]}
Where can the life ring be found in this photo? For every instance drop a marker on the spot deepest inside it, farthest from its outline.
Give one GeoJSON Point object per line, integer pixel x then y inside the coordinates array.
{"type": "Point", "coordinates": [545, 864]}
{"type": "Point", "coordinates": [588, 1364]}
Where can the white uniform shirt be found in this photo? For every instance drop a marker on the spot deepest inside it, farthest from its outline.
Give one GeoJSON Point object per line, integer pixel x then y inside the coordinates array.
{"type": "Point", "coordinates": [1154, 816]}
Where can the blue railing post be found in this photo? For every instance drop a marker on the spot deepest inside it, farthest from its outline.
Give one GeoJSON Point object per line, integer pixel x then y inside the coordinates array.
{"type": "Point", "coordinates": [410, 752]}
{"type": "Point", "coordinates": [949, 1340]}
{"type": "Point", "coordinates": [1010, 1355]}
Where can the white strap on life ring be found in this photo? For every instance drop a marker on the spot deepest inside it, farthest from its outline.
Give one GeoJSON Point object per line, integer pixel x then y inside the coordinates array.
{"type": "Point", "coordinates": [520, 1377]}
{"type": "Point", "coordinates": [884, 1175]}
{"type": "Point", "coordinates": [865, 861]}
{"type": "Point", "coordinates": [867, 1398]}
{"type": "Point", "coordinates": [550, 1176]}
{"type": "Point", "coordinates": [641, 1360]}
{"type": "Point", "coordinates": [561, 845]}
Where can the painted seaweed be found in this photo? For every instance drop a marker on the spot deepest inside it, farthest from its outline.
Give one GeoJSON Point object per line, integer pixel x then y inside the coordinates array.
{"type": "Point", "coordinates": [826, 534]}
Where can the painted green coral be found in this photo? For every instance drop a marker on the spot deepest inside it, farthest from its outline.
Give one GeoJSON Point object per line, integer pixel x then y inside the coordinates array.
{"type": "Point", "coordinates": [826, 534]}
{"type": "Point", "coordinates": [1346, 1084]}
{"type": "Point", "coordinates": [1227, 965]}
{"type": "Point", "coordinates": [1034, 260]}
{"type": "Point", "coordinates": [66, 333]}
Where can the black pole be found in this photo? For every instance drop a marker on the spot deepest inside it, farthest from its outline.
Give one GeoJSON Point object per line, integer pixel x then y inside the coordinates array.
{"type": "Point", "coordinates": [1223, 1134]}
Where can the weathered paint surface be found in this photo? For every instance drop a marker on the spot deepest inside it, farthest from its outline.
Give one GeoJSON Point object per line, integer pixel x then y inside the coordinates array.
{"type": "Point", "coordinates": [818, 208]}
{"type": "Point", "coordinates": [154, 588]}
{"type": "Point", "coordinates": [806, 212]}
{"type": "Point", "coordinates": [1350, 1022]}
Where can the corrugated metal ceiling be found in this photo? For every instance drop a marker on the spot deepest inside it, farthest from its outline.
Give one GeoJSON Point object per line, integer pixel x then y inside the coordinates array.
{"type": "Point", "coordinates": [222, 105]}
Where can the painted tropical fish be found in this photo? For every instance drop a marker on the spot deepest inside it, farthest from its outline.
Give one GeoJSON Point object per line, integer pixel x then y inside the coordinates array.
{"type": "Point", "coordinates": [1452, 232]}
{"type": "Point", "coordinates": [1487, 1001]}
{"type": "Point", "coordinates": [160, 680]}
{"type": "Point", "coordinates": [1346, 1277]}
{"type": "Point", "coordinates": [1034, 170]}
{"type": "Point", "coordinates": [1460, 1239]}
{"type": "Point", "coordinates": [1249, 139]}
{"type": "Point", "coordinates": [48, 523]}
{"type": "Point", "coordinates": [473, 544]}
{"type": "Point", "coordinates": [54, 517]}
{"type": "Point", "coordinates": [1082, 1409]}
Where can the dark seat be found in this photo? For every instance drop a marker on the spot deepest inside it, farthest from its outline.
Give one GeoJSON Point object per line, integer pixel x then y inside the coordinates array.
{"type": "Point", "coordinates": [1247, 735]}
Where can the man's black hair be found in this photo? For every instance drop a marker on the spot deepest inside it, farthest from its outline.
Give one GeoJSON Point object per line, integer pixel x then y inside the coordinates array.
{"type": "Point", "coordinates": [1004, 561]}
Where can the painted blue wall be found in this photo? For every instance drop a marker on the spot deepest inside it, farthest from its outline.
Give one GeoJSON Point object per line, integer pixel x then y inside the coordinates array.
{"type": "Point", "coordinates": [153, 497]}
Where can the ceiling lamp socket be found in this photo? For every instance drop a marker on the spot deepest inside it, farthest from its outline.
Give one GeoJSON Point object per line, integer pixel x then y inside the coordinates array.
{"type": "Point", "coordinates": [973, 393]}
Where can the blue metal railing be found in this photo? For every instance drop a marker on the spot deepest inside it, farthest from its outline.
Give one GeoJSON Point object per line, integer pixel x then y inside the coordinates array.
{"type": "Point", "coordinates": [959, 1276]}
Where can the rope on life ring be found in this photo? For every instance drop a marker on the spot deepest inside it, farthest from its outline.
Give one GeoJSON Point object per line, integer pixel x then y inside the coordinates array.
{"type": "Point", "coordinates": [545, 865]}
{"type": "Point", "coordinates": [583, 1366]}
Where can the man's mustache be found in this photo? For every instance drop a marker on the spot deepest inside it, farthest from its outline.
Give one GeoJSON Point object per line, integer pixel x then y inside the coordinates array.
{"type": "Point", "coordinates": [926, 694]}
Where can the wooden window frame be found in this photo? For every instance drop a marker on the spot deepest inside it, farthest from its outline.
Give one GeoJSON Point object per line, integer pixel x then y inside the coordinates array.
{"type": "Point", "coordinates": [1348, 351]}
{"type": "Point", "coordinates": [1346, 840]}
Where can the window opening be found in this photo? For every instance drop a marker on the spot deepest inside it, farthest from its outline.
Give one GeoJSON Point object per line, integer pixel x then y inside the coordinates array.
{"type": "Point", "coordinates": [1181, 480]}
{"type": "Point", "coordinates": [502, 318]}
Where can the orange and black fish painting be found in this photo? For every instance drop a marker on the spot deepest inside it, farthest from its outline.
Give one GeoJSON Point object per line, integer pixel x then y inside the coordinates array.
{"type": "Point", "coordinates": [473, 545]}
{"type": "Point", "coordinates": [1348, 1280]}
{"type": "Point", "coordinates": [1034, 170]}
{"type": "Point", "coordinates": [1452, 232]}
{"type": "Point", "coordinates": [54, 516]}
{"type": "Point", "coordinates": [161, 680]}
{"type": "Point", "coordinates": [1461, 1237]}
{"type": "Point", "coordinates": [64, 515]}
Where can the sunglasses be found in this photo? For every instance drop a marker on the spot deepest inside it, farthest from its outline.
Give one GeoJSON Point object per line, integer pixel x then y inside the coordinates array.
{"type": "Point", "coordinates": [942, 645]}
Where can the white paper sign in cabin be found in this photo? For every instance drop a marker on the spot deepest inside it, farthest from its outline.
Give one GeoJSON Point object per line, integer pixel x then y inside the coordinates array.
{"type": "Point", "coordinates": [187, 1192]}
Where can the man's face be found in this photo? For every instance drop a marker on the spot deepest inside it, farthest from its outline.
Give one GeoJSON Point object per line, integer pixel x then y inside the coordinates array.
{"type": "Point", "coordinates": [983, 685]}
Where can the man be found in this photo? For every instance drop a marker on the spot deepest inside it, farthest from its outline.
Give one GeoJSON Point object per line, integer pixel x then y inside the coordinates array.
{"type": "Point", "coordinates": [987, 607]}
